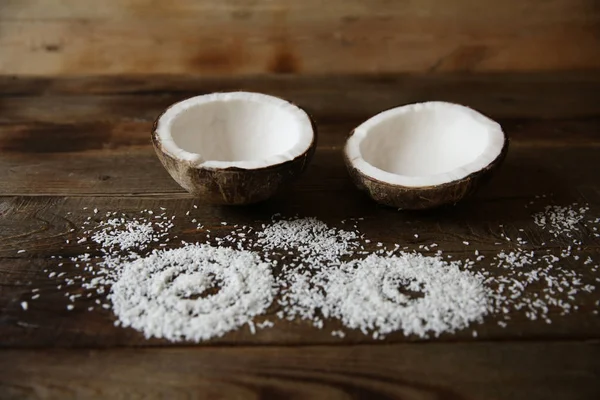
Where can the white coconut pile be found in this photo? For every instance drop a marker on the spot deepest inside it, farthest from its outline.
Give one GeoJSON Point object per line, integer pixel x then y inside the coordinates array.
{"type": "Point", "coordinates": [168, 293]}
{"type": "Point", "coordinates": [316, 272]}
{"type": "Point", "coordinates": [408, 292]}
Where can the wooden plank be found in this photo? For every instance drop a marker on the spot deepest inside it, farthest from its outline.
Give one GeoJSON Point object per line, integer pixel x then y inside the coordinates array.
{"type": "Point", "coordinates": [32, 137]}
{"type": "Point", "coordinates": [48, 323]}
{"type": "Point", "coordinates": [136, 171]}
{"type": "Point", "coordinates": [41, 225]}
{"type": "Point", "coordinates": [550, 11]}
{"type": "Point", "coordinates": [139, 37]}
{"type": "Point", "coordinates": [409, 371]}
{"type": "Point", "coordinates": [519, 84]}
{"type": "Point", "coordinates": [328, 98]}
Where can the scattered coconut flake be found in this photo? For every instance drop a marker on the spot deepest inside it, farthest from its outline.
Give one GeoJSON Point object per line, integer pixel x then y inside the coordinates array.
{"type": "Point", "coordinates": [315, 246]}
{"type": "Point", "coordinates": [125, 235]}
{"type": "Point", "coordinates": [265, 324]}
{"type": "Point", "coordinates": [561, 220]}
{"type": "Point", "coordinates": [338, 333]}
{"type": "Point", "coordinates": [311, 265]}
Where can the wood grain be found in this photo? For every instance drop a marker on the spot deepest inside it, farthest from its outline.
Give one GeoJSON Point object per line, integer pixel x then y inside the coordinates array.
{"type": "Point", "coordinates": [278, 37]}
{"type": "Point", "coordinates": [328, 98]}
{"type": "Point", "coordinates": [543, 370]}
{"type": "Point", "coordinates": [135, 171]}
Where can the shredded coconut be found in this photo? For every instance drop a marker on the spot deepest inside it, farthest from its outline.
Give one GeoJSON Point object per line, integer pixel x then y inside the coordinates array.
{"type": "Point", "coordinates": [561, 220]}
{"type": "Point", "coordinates": [306, 245]}
{"type": "Point", "coordinates": [317, 272]}
{"type": "Point", "coordinates": [408, 292]}
{"type": "Point", "coordinates": [338, 333]}
{"type": "Point", "coordinates": [164, 294]}
{"type": "Point", "coordinates": [125, 235]}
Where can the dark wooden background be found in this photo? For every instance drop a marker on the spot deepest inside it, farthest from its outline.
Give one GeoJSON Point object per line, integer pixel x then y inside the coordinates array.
{"type": "Point", "coordinates": [81, 83]}
{"type": "Point", "coordinates": [241, 37]}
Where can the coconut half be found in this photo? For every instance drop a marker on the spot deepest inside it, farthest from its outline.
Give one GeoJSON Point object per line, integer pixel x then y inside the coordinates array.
{"type": "Point", "coordinates": [234, 148]}
{"type": "Point", "coordinates": [424, 155]}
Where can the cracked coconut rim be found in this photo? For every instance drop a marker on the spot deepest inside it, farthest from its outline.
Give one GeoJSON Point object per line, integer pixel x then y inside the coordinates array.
{"type": "Point", "coordinates": [425, 144]}
{"type": "Point", "coordinates": [238, 129]}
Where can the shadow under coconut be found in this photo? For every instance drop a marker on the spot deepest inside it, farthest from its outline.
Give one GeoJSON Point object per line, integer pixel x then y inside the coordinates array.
{"type": "Point", "coordinates": [518, 189]}
{"type": "Point", "coordinates": [334, 204]}
{"type": "Point", "coordinates": [515, 181]}
{"type": "Point", "coordinates": [325, 191]}
{"type": "Point", "coordinates": [524, 175]}
{"type": "Point", "coordinates": [500, 205]}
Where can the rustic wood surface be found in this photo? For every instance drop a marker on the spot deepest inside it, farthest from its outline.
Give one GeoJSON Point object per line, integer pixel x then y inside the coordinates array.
{"type": "Point", "coordinates": [484, 370]}
{"type": "Point", "coordinates": [235, 37]}
{"type": "Point", "coordinates": [74, 143]}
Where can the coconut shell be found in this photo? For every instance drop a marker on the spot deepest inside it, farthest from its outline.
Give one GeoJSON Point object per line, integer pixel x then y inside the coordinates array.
{"type": "Point", "coordinates": [419, 198]}
{"type": "Point", "coordinates": [233, 186]}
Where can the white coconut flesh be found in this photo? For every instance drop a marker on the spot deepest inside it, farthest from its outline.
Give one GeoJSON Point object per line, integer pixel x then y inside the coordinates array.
{"type": "Point", "coordinates": [236, 129]}
{"type": "Point", "coordinates": [425, 144]}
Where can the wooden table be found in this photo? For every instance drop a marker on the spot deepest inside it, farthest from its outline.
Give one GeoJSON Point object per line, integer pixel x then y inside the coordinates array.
{"type": "Point", "coordinates": [70, 143]}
